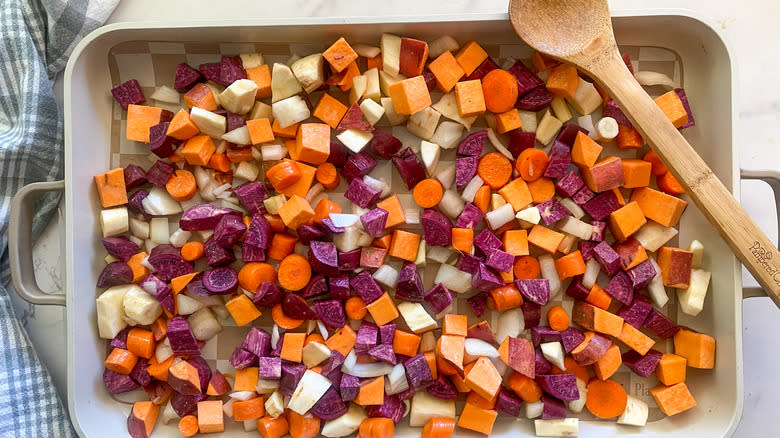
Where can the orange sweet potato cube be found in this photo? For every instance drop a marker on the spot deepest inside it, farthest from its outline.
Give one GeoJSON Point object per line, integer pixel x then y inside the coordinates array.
{"type": "Point", "coordinates": [140, 118]}
{"type": "Point", "coordinates": [198, 150]}
{"type": "Point", "coordinates": [563, 81]}
{"type": "Point", "coordinates": [517, 193]}
{"type": "Point", "coordinates": [628, 138]}
{"type": "Point", "coordinates": [635, 339]}
{"type": "Point", "coordinates": [210, 417]}
{"type": "Point", "coordinates": [382, 309]}
{"type": "Point", "coordinates": [396, 215]}
{"type": "Point", "coordinates": [242, 310]}
{"type": "Point", "coordinates": [516, 242]}
{"type": "Point", "coordinates": [484, 378]}
{"type": "Point", "coordinates": [404, 245]}
{"type": "Point", "coordinates": [410, 95]}
{"type": "Point", "coordinates": [671, 369]}
{"type": "Point", "coordinates": [330, 110]}
{"type": "Point", "coordinates": [296, 212]}
{"type": "Point", "coordinates": [111, 187]}
{"type": "Point", "coordinates": [246, 379]}
{"type": "Point", "coordinates": [508, 121]}
{"type": "Point", "coordinates": [658, 206]}
{"type": "Point", "coordinates": [340, 54]}
{"type": "Point", "coordinates": [469, 97]}
{"type": "Point", "coordinates": [446, 71]}
{"type": "Point", "coordinates": [636, 173]}
{"type": "Point", "coordinates": [697, 348]}
{"type": "Point", "coordinates": [675, 264]}
{"type": "Point", "coordinates": [302, 186]}
{"type": "Point", "coordinates": [672, 107]}
{"type": "Point", "coordinates": [470, 56]}
{"type": "Point", "coordinates": [260, 130]}
{"type": "Point", "coordinates": [455, 324]}
{"type": "Point", "coordinates": [181, 126]}
{"type": "Point", "coordinates": [288, 132]}
{"type": "Point", "coordinates": [545, 238]}
{"type": "Point", "coordinates": [312, 144]}
{"type": "Point", "coordinates": [292, 347]}
{"type": "Point", "coordinates": [585, 151]}
{"type": "Point", "coordinates": [626, 221]}
{"type": "Point", "coordinates": [478, 419]}
{"type": "Point", "coordinates": [672, 400]}
{"type": "Point", "coordinates": [260, 75]}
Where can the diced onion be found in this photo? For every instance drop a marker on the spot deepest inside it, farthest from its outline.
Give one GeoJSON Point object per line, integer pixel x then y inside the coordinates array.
{"type": "Point", "coordinates": [592, 269]}
{"type": "Point", "coordinates": [649, 78]}
{"type": "Point", "coordinates": [471, 188]}
{"type": "Point", "coordinates": [498, 145]}
{"type": "Point", "coordinates": [547, 266]}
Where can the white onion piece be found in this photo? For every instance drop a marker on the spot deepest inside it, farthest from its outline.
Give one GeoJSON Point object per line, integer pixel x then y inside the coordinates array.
{"type": "Point", "coordinates": [275, 336]}
{"type": "Point", "coordinates": [498, 145]}
{"type": "Point", "coordinates": [273, 152]}
{"type": "Point", "coordinates": [649, 78]}
{"type": "Point", "coordinates": [166, 94]}
{"type": "Point", "coordinates": [315, 190]}
{"type": "Point", "coordinates": [344, 220]}
{"type": "Point", "coordinates": [500, 217]}
{"type": "Point", "coordinates": [510, 323]}
{"type": "Point", "coordinates": [180, 237]}
{"type": "Point", "coordinates": [446, 175]}
{"type": "Point", "coordinates": [470, 191]}
{"type": "Point", "coordinates": [364, 370]}
{"type": "Point", "coordinates": [451, 204]}
{"type": "Point", "coordinates": [592, 269]}
{"type": "Point", "coordinates": [547, 266]}
{"type": "Point", "coordinates": [412, 215]}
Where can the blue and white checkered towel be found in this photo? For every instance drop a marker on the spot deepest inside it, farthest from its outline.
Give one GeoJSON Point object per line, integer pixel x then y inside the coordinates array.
{"type": "Point", "coordinates": [36, 38]}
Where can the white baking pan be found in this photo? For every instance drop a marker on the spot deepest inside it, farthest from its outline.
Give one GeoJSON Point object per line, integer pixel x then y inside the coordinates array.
{"type": "Point", "coordinates": [707, 74]}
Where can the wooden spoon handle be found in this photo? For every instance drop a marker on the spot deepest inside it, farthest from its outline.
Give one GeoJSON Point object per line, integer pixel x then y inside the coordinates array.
{"type": "Point", "coordinates": [745, 238]}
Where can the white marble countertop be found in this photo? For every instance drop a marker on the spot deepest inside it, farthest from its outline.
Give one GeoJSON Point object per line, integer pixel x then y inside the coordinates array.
{"type": "Point", "coordinates": [750, 27]}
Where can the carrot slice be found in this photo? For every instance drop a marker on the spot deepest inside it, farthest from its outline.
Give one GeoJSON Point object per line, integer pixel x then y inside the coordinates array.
{"type": "Point", "coordinates": [192, 251]}
{"type": "Point", "coordinates": [500, 90]}
{"type": "Point", "coordinates": [294, 272]}
{"type": "Point", "coordinates": [557, 318]}
{"type": "Point", "coordinates": [495, 169]}
{"type": "Point", "coordinates": [531, 164]}
{"type": "Point", "coordinates": [355, 308]}
{"type": "Point", "coordinates": [327, 175]}
{"type": "Point", "coordinates": [283, 174]}
{"type": "Point", "coordinates": [669, 184]}
{"type": "Point", "coordinates": [526, 268]}
{"type": "Point", "coordinates": [659, 168]}
{"type": "Point", "coordinates": [525, 387]}
{"type": "Point", "coordinates": [181, 186]}
{"type": "Point", "coordinates": [303, 426]}
{"type": "Point", "coordinates": [253, 274]}
{"type": "Point", "coordinates": [428, 192]}
{"type": "Point", "coordinates": [270, 427]}
{"type": "Point", "coordinates": [438, 427]}
{"type": "Point", "coordinates": [606, 398]}
{"type": "Point", "coordinates": [188, 425]}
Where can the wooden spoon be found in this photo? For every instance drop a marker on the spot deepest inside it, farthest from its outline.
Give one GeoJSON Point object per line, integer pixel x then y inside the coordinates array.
{"type": "Point", "coordinates": [579, 32]}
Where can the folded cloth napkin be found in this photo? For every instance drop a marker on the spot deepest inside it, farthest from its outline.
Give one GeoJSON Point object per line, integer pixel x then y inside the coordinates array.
{"type": "Point", "coordinates": [36, 38]}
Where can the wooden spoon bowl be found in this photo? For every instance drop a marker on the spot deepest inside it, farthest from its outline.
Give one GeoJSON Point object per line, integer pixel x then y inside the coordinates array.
{"type": "Point", "coordinates": [579, 32]}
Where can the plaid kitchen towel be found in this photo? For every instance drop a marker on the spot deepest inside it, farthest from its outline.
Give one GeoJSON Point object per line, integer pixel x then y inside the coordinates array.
{"type": "Point", "coordinates": [36, 38]}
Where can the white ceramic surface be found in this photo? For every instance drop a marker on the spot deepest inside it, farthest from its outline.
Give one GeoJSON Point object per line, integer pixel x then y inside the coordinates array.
{"type": "Point", "coordinates": [748, 25]}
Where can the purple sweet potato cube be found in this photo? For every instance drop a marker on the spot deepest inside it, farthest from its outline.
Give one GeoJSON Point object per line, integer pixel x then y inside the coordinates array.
{"type": "Point", "coordinates": [500, 260]}
{"type": "Point", "coordinates": [486, 241]}
{"type": "Point", "coordinates": [582, 196]}
{"type": "Point", "coordinates": [586, 248]}
{"type": "Point", "coordinates": [438, 298]}
{"type": "Point", "coordinates": [569, 133]}
{"type": "Point", "coordinates": [159, 143]}
{"type": "Point", "coordinates": [186, 78]}
{"type": "Point", "coordinates": [553, 408]}
{"type": "Point", "coordinates": [465, 169]}
{"type": "Point", "coordinates": [387, 334]}
{"type": "Point", "coordinates": [560, 386]}
{"type": "Point", "coordinates": [350, 260]}
{"type": "Point", "coordinates": [372, 257]}
{"type": "Point", "coordinates": [541, 364]}
{"type": "Point", "coordinates": [611, 109]}
{"type": "Point", "coordinates": [410, 285]}
{"type": "Point", "coordinates": [571, 338]}
{"type": "Point", "coordinates": [658, 324]}
{"type": "Point", "coordinates": [409, 166]}
{"type": "Point", "coordinates": [478, 304]}
{"type": "Point", "coordinates": [684, 99]}
{"type": "Point", "coordinates": [608, 258]}
{"type": "Point", "coordinates": [366, 337]}
{"type": "Point", "coordinates": [270, 368]}
{"type": "Point", "coordinates": [257, 341]}
{"type": "Point", "coordinates": [536, 290]}
{"type": "Point", "coordinates": [384, 353]}
{"type": "Point", "coordinates": [620, 288]}
{"type": "Point", "coordinates": [532, 314]}
{"type": "Point", "coordinates": [560, 159]}
{"type": "Point", "coordinates": [418, 373]}
{"type": "Point", "coordinates": [128, 93]}
{"type": "Point", "coordinates": [486, 279]}
{"type": "Point", "coordinates": [468, 263]}
{"type": "Point", "coordinates": [541, 335]}
{"type": "Point", "coordinates": [339, 287]}
{"type": "Point", "coordinates": [241, 359]}
{"type": "Point", "coordinates": [508, 403]}
{"type": "Point", "coordinates": [642, 366]}
{"type": "Point", "coordinates": [350, 385]}
{"type": "Point", "coordinates": [470, 216]}
{"type": "Point", "coordinates": [366, 287]}
{"type": "Point", "coordinates": [437, 228]}
{"type": "Point", "coordinates": [362, 194]}
{"type": "Point", "coordinates": [570, 184]}
{"type": "Point", "coordinates": [374, 221]}
{"type": "Point", "coordinates": [231, 70]}
{"type": "Point", "coordinates": [637, 312]}
{"type": "Point", "coordinates": [552, 211]}
{"type": "Point", "coordinates": [599, 228]}
{"type": "Point", "coordinates": [358, 165]}
{"type": "Point", "coordinates": [291, 375]}
{"type": "Point", "coordinates": [576, 290]}
{"type": "Point", "coordinates": [641, 274]}
{"type": "Point", "coordinates": [602, 205]}
{"type": "Point", "coordinates": [472, 145]}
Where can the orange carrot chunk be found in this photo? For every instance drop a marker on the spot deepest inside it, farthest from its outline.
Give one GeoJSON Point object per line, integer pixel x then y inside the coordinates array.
{"type": "Point", "coordinates": [500, 90]}
{"type": "Point", "coordinates": [606, 398]}
{"type": "Point", "coordinates": [495, 169]}
{"type": "Point", "coordinates": [428, 192]}
{"type": "Point", "coordinates": [531, 164]}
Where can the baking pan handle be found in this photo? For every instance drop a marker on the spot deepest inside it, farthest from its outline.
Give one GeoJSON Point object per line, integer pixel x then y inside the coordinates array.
{"type": "Point", "coordinates": [773, 179]}
{"type": "Point", "coordinates": [20, 243]}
